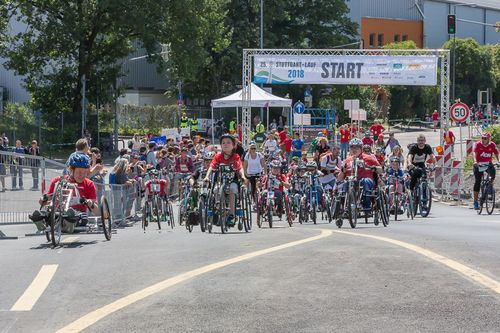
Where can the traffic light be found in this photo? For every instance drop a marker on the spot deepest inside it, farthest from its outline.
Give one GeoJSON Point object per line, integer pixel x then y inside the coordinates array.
{"type": "Point", "coordinates": [452, 25]}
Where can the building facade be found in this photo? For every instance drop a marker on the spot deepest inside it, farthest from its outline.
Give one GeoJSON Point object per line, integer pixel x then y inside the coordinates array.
{"type": "Point", "coordinates": [424, 21]}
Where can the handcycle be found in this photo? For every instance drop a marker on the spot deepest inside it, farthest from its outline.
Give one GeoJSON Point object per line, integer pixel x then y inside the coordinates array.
{"type": "Point", "coordinates": [157, 207]}
{"type": "Point", "coordinates": [486, 190]}
{"type": "Point", "coordinates": [64, 195]}
{"type": "Point", "coordinates": [218, 202]}
{"type": "Point", "coordinates": [267, 204]}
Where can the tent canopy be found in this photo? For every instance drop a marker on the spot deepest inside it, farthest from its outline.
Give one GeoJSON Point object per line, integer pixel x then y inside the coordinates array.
{"type": "Point", "coordinates": [260, 98]}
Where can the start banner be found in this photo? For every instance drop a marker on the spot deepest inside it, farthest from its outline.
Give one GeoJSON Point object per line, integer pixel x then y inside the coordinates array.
{"type": "Point", "coordinates": [346, 69]}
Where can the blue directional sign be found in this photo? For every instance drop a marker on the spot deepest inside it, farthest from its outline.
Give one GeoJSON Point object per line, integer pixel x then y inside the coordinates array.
{"type": "Point", "coordinates": [298, 107]}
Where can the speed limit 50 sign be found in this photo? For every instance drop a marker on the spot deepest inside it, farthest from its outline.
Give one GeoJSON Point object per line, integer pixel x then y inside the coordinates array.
{"type": "Point", "coordinates": [459, 112]}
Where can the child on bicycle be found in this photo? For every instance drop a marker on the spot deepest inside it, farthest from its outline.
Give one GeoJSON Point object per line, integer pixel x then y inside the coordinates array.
{"type": "Point", "coordinates": [228, 157]}
{"type": "Point", "coordinates": [279, 183]}
{"type": "Point", "coordinates": [85, 199]}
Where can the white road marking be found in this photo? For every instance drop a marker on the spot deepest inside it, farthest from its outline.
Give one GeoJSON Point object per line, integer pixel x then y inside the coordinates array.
{"type": "Point", "coordinates": [35, 289]}
{"type": "Point", "coordinates": [98, 314]}
{"type": "Point", "coordinates": [466, 271]}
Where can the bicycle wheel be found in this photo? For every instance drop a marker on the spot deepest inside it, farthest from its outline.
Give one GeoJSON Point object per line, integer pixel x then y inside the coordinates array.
{"type": "Point", "coordinates": [416, 200]}
{"type": "Point", "coordinates": [288, 211]}
{"type": "Point", "coordinates": [106, 218]}
{"type": "Point", "coordinates": [352, 208]}
{"type": "Point", "coordinates": [302, 211]}
{"type": "Point", "coordinates": [313, 211]}
{"type": "Point", "coordinates": [395, 204]}
{"type": "Point", "coordinates": [260, 211]}
{"type": "Point", "coordinates": [490, 198]}
{"type": "Point", "coordinates": [56, 218]}
{"type": "Point", "coordinates": [222, 212]}
{"type": "Point", "coordinates": [270, 215]}
{"type": "Point", "coordinates": [425, 205]}
{"type": "Point", "coordinates": [411, 210]}
{"type": "Point", "coordinates": [327, 206]}
{"type": "Point", "coordinates": [245, 206]}
{"type": "Point", "coordinates": [145, 216]}
{"type": "Point", "coordinates": [382, 206]}
{"type": "Point", "coordinates": [201, 214]}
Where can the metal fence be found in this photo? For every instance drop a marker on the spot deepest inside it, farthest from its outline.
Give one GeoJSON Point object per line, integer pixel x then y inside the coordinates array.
{"type": "Point", "coordinates": [23, 178]}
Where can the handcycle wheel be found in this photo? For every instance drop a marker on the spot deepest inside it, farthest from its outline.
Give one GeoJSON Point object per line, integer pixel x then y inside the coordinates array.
{"type": "Point", "coordinates": [352, 208]}
{"type": "Point", "coordinates": [288, 211]}
{"type": "Point", "coordinates": [426, 209]}
{"type": "Point", "coordinates": [56, 218]}
{"type": "Point", "coordinates": [106, 221]}
{"type": "Point", "coordinates": [490, 199]}
{"type": "Point", "coordinates": [157, 209]}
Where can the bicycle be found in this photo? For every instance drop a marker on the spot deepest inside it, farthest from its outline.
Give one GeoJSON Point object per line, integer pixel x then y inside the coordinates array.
{"type": "Point", "coordinates": [310, 200]}
{"type": "Point", "coordinates": [396, 198]}
{"type": "Point", "coordinates": [487, 191]}
{"type": "Point", "coordinates": [422, 194]}
{"type": "Point", "coordinates": [265, 205]}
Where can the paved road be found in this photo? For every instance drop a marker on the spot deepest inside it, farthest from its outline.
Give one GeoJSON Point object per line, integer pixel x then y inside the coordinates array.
{"type": "Point", "coordinates": [438, 274]}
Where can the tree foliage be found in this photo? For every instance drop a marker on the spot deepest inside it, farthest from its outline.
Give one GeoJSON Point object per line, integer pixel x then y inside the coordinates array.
{"type": "Point", "coordinates": [67, 39]}
{"type": "Point", "coordinates": [147, 119]}
{"type": "Point", "coordinates": [287, 24]}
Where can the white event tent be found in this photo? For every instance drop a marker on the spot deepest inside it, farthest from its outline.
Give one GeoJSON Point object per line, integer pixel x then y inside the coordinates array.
{"type": "Point", "coordinates": [259, 98]}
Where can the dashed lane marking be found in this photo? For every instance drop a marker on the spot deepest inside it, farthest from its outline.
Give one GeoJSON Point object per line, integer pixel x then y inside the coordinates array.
{"type": "Point", "coordinates": [466, 271]}
{"type": "Point", "coordinates": [98, 314]}
{"type": "Point", "coordinates": [29, 298]}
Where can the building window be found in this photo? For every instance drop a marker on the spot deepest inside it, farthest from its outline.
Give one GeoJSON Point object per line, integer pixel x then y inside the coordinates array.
{"type": "Point", "coordinates": [380, 40]}
{"type": "Point", "coordinates": [372, 40]}
{"type": "Point", "coordinates": [405, 38]}
{"type": "Point", "coordinates": [396, 38]}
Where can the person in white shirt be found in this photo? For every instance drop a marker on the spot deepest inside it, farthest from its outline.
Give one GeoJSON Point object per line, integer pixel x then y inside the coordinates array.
{"type": "Point", "coordinates": [330, 163]}
{"type": "Point", "coordinates": [178, 135]}
{"type": "Point", "coordinates": [254, 167]}
{"type": "Point", "coordinates": [271, 144]}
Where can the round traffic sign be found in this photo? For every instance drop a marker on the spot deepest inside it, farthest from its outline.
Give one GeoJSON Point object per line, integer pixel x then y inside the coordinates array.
{"type": "Point", "coordinates": [299, 107]}
{"type": "Point", "coordinates": [459, 112]}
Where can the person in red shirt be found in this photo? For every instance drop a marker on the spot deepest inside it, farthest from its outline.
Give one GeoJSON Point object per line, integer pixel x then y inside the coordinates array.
{"type": "Point", "coordinates": [230, 158]}
{"type": "Point", "coordinates": [376, 129]}
{"type": "Point", "coordinates": [435, 120]}
{"type": "Point", "coordinates": [85, 199]}
{"type": "Point", "coordinates": [367, 140]}
{"type": "Point", "coordinates": [365, 173]}
{"type": "Point", "coordinates": [279, 182]}
{"type": "Point", "coordinates": [286, 146]}
{"type": "Point", "coordinates": [153, 182]}
{"type": "Point", "coordinates": [282, 134]}
{"type": "Point", "coordinates": [483, 158]}
{"type": "Point", "coordinates": [345, 136]}
{"type": "Point", "coordinates": [449, 138]}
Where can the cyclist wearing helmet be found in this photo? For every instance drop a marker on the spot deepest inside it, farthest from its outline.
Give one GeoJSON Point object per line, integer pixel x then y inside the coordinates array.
{"type": "Point", "coordinates": [365, 174]}
{"type": "Point", "coordinates": [280, 184]}
{"type": "Point", "coordinates": [79, 165]}
{"type": "Point", "coordinates": [483, 155]}
{"type": "Point", "coordinates": [394, 170]}
{"type": "Point", "coordinates": [202, 170]}
{"type": "Point", "coordinates": [367, 140]}
{"type": "Point", "coordinates": [153, 180]}
{"type": "Point", "coordinates": [254, 166]}
{"type": "Point", "coordinates": [228, 157]}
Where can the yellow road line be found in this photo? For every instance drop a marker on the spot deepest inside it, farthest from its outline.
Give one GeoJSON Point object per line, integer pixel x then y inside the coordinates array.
{"type": "Point", "coordinates": [96, 315]}
{"type": "Point", "coordinates": [35, 289]}
{"type": "Point", "coordinates": [455, 265]}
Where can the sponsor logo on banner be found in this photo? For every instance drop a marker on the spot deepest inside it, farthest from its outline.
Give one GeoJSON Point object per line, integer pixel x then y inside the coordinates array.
{"type": "Point", "coordinates": [346, 69]}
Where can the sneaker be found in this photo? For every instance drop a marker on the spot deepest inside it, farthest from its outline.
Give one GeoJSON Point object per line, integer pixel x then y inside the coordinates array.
{"type": "Point", "coordinates": [476, 205]}
{"type": "Point", "coordinates": [37, 216]}
{"type": "Point", "coordinates": [240, 226]}
{"type": "Point", "coordinates": [230, 220]}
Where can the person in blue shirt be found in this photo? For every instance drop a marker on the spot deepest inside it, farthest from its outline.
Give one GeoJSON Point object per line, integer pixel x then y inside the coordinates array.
{"type": "Point", "coordinates": [394, 172]}
{"type": "Point", "coordinates": [297, 144]}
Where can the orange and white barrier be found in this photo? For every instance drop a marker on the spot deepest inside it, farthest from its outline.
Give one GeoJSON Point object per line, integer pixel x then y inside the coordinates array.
{"type": "Point", "coordinates": [468, 148]}
{"type": "Point", "coordinates": [438, 173]}
{"type": "Point", "coordinates": [447, 161]}
{"type": "Point", "coordinates": [455, 179]}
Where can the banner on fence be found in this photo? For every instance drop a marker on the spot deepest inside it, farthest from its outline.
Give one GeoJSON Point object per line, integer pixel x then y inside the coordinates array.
{"type": "Point", "coordinates": [346, 69]}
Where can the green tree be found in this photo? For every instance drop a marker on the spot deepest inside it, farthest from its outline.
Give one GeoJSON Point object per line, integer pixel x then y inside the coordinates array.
{"type": "Point", "coordinates": [335, 99]}
{"type": "Point", "coordinates": [67, 39]}
{"type": "Point", "coordinates": [287, 24]}
{"type": "Point", "coordinates": [474, 68]}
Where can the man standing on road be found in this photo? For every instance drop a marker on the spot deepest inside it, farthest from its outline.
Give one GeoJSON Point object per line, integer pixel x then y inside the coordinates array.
{"type": "Point", "coordinates": [376, 129]}
{"type": "Point", "coordinates": [435, 119]}
{"type": "Point", "coordinates": [449, 138]}
{"type": "Point", "coordinates": [35, 164]}
{"type": "Point", "coordinates": [345, 135]}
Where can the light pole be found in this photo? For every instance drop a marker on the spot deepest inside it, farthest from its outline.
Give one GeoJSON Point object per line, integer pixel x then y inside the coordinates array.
{"type": "Point", "coordinates": [454, 46]}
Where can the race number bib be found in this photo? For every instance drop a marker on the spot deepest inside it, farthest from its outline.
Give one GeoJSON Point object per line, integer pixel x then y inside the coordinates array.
{"type": "Point", "coordinates": [184, 168]}
{"type": "Point", "coordinates": [156, 188]}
